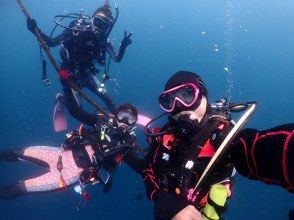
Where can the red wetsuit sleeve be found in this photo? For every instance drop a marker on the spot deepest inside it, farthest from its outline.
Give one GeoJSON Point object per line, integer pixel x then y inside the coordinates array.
{"type": "Point", "coordinates": [152, 173]}
{"type": "Point", "coordinates": [266, 155]}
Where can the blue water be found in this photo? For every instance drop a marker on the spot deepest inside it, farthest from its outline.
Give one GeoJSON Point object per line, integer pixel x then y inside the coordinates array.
{"type": "Point", "coordinates": [252, 39]}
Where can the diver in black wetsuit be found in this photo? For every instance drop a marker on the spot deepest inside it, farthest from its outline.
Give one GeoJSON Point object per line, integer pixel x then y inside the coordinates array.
{"type": "Point", "coordinates": [112, 140]}
{"type": "Point", "coordinates": [182, 148]}
{"type": "Point", "coordinates": [83, 44]}
{"type": "Point", "coordinates": [87, 156]}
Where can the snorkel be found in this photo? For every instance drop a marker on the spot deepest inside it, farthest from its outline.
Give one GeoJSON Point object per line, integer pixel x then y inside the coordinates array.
{"type": "Point", "coordinates": [114, 21]}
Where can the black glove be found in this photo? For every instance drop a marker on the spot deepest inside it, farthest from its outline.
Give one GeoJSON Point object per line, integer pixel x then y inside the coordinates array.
{"type": "Point", "coordinates": [127, 40]}
{"type": "Point", "coordinates": [31, 25]}
{"type": "Point", "coordinates": [168, 204]}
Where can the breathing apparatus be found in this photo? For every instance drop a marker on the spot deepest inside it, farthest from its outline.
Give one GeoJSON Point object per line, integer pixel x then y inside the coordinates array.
{"type": "Point", "coordinates": [122, 128]}
{"type": "Point", "coordinates": [82, 22]}
{"type": "Point", "coordinates": [219, 114]}
{"type": "Point", "coordinates": [184, 127]}
{"type": "Point", "coordinates": [149, 131]}
{"type": "Point", "coordinates": [222, 105]}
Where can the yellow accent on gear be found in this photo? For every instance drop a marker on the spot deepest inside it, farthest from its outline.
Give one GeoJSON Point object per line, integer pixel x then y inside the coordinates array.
{"type": "Point", "coordinates": [218, 194]}
{"type": "Point", "coordinates": [102, 136]}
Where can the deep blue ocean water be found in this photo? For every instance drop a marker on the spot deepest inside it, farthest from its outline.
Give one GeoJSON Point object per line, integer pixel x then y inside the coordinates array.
{"type": "Point", "coordinates": [244, 44]}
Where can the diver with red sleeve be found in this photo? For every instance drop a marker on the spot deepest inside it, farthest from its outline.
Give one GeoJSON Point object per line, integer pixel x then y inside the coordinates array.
{"type": "Point", "coordinates": [193, 157]}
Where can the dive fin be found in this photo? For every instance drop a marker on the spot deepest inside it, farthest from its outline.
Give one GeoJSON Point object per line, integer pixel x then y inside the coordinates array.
{"type": "Point", "coordinates": [143, 120]}
{"type": "Point", "coordinates": [59, 116]}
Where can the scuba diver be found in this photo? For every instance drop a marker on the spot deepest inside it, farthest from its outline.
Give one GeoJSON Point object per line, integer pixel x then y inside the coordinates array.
{"type": "Point", "coordinates": [179, 176]}
{"type": "Point", "coordinates": [82, 44]}
{"type": "Point", "coordinates": [87, 156]}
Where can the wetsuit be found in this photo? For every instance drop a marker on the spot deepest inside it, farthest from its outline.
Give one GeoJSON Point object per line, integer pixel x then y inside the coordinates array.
{"type": "Point", "coordinates": [79, 161]}
{"type": "Point", "coordinates": [266, 155]}
{"type": "Point", "coordinates": [79, 51]}
{"type": "Point", "coordinates": [47, 157]}
{"type": "Point", "coordinates": [261, 155]}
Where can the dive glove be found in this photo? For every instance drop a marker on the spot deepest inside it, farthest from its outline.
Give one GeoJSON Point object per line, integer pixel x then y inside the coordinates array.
{"type": "Point", "coordinates": [127, 40]}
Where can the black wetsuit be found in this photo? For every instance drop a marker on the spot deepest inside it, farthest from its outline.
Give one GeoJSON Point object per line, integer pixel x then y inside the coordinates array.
{"type": "Point", "coordinates": [111, 145]}
{"type": "Point", "coordinates": [79, 51]}
{"type": "Point", "coordinates": [86, 155]}
{"type": "Point", "coordinates": [260, 155]}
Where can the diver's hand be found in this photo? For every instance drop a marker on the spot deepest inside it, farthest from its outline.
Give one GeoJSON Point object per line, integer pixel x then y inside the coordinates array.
{"type": "Point", "coordinates": [127, 40]}
{"type": "Point", "coordinates": [188, 213]}
{"type": "Point", "coordinates": [31, 25]}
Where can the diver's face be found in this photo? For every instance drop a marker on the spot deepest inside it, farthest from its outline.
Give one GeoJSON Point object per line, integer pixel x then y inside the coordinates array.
{"type": "Point", "coordinates": [123, 127]}
{"type": "Point", "coordinates": [101, 23]}
{"type": "Point", "coordinates": [196, 114]}
{"type": "Point", "coordinates": [102, 14]}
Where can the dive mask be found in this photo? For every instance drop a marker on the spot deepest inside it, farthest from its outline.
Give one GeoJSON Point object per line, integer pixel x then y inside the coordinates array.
{"type": "Point", "coordinates": [126, 117]}
{"type": "Point", "coordinates": [186, 94]}
{"type": "Point", "coordinates": [101, 23]}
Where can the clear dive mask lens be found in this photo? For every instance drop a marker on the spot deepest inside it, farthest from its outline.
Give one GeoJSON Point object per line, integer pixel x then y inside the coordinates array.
{"type": "Point", "coordinates": [126, 117]}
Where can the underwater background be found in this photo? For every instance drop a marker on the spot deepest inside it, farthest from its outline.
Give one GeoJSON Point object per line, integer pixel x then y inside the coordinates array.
{"type": "Point", "coordinates": [242, 49]}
